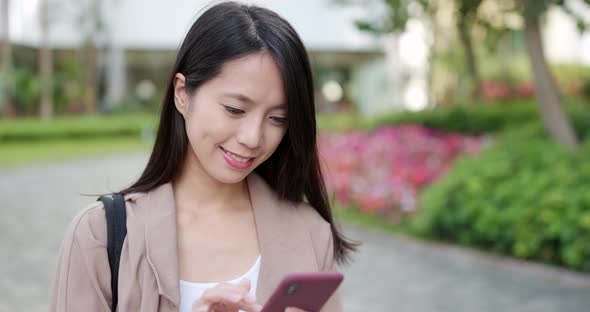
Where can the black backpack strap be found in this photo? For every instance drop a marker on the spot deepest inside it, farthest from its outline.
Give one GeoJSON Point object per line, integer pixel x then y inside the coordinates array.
{"type": "Point", "coordinates": [116, 232]}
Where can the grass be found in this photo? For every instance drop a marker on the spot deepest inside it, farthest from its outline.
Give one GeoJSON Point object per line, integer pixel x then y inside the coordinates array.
{"type": "Point", "coordinates": [27, 141]}
{"type": "Point", "coordinates": [371, 220]}
{"type": "Point", "coordinates": [76, 128]}
{"type": "Point", "coordinates": [24, 153]}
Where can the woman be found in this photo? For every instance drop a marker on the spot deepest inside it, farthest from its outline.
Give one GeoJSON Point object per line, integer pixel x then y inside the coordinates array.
{"type": "Point", "coordinates": [218, 216]}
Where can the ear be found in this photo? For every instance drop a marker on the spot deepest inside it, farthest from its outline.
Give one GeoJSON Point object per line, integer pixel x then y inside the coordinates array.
{"type": "Point", "coordinates": [181, 98]}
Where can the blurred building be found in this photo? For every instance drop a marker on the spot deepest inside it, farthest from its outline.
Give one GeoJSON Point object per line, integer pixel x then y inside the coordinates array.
{"type": "Point", "coordinates": [137, 41]}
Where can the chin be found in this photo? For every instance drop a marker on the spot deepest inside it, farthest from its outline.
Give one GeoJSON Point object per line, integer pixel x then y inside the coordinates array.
{"type": "Point", "coordinates": [232, 177]}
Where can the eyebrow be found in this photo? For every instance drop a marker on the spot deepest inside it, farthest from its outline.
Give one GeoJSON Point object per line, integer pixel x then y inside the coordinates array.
{"type": "Point", "coordinates": [246, 99]}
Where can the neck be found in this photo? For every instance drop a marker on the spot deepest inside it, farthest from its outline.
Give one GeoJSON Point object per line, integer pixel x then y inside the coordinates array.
{"type": "Point", "coordinates": [198, 193]}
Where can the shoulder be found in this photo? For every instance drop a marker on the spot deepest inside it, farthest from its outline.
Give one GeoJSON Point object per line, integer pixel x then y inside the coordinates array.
{"type": "Point", "coordinates": [88, 228]}
{"type": "Point", "coordinates": [319, 230]}
{"type": "Point", "coordinates": [312, 219]}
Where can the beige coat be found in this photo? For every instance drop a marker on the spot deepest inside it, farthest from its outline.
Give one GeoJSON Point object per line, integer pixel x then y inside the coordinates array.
{"type": "Point", "coordinates": [292, 238]}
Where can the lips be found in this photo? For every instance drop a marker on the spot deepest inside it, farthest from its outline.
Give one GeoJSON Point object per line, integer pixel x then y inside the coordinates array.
{"type": "Point", "coordinates": [246, 158]}
{"type": "Point", "coordinates": [237, 161]}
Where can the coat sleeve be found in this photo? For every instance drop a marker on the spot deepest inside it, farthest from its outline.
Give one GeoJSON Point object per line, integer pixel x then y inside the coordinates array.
{"type": "Point", "coordinates": [82, 278]}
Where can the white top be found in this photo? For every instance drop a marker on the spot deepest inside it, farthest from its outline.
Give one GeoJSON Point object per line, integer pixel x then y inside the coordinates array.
{"type": "Point", "coordinates": [190, 292]}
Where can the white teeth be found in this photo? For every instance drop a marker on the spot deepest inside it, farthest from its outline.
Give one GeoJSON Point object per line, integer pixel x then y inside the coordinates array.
{"type": "Point", "coordinates": [240, 159]}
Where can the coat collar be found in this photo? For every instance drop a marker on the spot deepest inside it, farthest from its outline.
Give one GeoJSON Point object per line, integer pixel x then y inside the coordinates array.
{"type": "Point", "coordinates": [284, 241]}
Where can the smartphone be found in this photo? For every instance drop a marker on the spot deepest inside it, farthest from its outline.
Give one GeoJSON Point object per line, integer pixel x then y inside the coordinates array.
{"type": "Point", "coordinates": [307, 291]}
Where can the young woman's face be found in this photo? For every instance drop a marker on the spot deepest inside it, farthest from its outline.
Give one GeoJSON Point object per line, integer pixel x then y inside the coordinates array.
{"type": "Point", "coordinates": [235, 121]}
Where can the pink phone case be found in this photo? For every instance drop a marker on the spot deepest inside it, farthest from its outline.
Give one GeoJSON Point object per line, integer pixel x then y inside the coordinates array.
{"type": "Point", "coordinates": [307, 291]}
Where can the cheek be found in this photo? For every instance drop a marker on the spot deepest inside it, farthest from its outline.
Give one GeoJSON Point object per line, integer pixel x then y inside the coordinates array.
{"type": "Point", "coordinates": [206, 134]}
{"type": "Point", "coordinates": [206, 126]}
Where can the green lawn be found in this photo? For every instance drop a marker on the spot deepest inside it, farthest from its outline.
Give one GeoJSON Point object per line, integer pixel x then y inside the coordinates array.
{"type": "Point", "coordinates": [27, 141]}
{"type": "Point", "coordinates": [23, 153]}
{"type": "Point", "coordinates": [371, 220]}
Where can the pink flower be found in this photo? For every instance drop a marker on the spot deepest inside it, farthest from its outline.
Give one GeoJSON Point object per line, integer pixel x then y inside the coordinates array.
{"type": "Point", "coordinates": [387, 168]}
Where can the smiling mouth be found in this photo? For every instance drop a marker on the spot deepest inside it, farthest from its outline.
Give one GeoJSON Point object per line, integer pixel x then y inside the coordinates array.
{"type": "Point", "coordinates": [236, 157]}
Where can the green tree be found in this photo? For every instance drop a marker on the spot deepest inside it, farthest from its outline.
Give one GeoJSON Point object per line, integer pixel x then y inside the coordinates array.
{"type": "Point", "coordinates": [5, 56]}
{"type": "Point", "coordinates": [91, 22]}
{"type": "Point", "coordinates": [548, 98]}
{"type": "Point", "coordinates": [45, 63]}
{"type": "Point", "coordinates": [531, 12]}
{"type": "Point", "coordinates": [465, 18]}
{"type": "Point", "coordinates": [401, 11]}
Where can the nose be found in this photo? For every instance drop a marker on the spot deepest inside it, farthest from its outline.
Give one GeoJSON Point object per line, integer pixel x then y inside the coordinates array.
{"type": "Point", "coordinates": [250, 135]}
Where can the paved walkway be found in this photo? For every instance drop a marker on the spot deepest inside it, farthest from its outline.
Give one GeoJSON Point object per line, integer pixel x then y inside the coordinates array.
{"type": "Point", "coordinates": [390, 273]}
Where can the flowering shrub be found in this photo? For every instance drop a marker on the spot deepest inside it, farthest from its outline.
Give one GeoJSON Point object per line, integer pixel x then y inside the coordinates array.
{"type": "Point", "coordinates": [496, 90]}
{"type": "Point", "coordinates": [503, 90]}
{"type": "Point", "coordinates": [383, 171]}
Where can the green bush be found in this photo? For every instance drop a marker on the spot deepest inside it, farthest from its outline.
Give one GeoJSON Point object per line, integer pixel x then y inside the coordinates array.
{"type": "Point", "coordinates": [479, 118]}
{"type": "Point", "coordinates": [77, 128]}
{"type": "Point", "coordinates": [586, 90]}
{"type": "Point", "coordinates": [523, 197]}
{"type": "Point", "coordinates": [24, 88]}
{"type": "Point", "coordinates": [26, 92]}
{"type": "Point", "coordinates": [339, 122]}
{"type": "Point", "coordinates": [132, 105]}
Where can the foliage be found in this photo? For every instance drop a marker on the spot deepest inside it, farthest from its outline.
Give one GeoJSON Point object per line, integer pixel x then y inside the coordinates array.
{"type": "Point", "coordinates": [586, 89]}
{"type": "Point", "coordinates": [25, 85]}
{"type": "Point", "coordinates": [571, 78]}
{"type": "Point", "coordinates": [340, 122]}
{"type": "Point", "coordinates": [24, 153]}
{"type": "Point", "coordinates": [525, 197]}
{"type": "Point", "coordinates": [76, 128]}
{"type": "Point", "coordinates": [132, 104]}
{"type": "Point", "coordinates": [397, 15]}
{"type": "Point", "coordinates": [488, 117]}
{"type": "Point", "coordinates": [27, 90]}
{"type": "Point", "coordinates": [503, 90]}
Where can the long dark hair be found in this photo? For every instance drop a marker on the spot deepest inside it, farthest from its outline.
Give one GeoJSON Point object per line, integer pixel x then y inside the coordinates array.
{"type": "Point", "coordinates": [228, 31]}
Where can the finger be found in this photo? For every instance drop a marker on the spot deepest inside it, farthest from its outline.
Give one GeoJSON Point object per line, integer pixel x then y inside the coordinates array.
{"type": "Point", "coordinates": [216, 296]}
{"type": "Point", "coordinates": [229, 295]}
{"type": "Point", "coordinates": [250, 307]}
{"type": "Point", "coordinates": [242, 288]}
{"type": "Point", "coordinates": [242, 305]}
{"type": "Point", "coordinates": [246, 283]}
{"type": "Point", "coordinates": [242, 285]}
{"type": "Point", "coordinates": [222, 305]}
{"type": "Point", "coordinates": [293, 309]}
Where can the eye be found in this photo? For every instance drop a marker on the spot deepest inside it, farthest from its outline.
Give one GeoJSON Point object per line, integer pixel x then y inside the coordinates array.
{"type": "Point", "coordinates": [279, 120]}
{"type": "Point", "coordinates": [233, 110]}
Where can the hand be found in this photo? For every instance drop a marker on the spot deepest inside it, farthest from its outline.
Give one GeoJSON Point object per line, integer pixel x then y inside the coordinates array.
{"type": "Point", "coordinates": [292, 309]}
{"type": "Point", "coordinates": [227, 298]}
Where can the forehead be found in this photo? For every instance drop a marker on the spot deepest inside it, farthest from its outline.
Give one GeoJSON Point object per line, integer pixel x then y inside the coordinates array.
{"type": "Point", "coordinates": [255, 76]}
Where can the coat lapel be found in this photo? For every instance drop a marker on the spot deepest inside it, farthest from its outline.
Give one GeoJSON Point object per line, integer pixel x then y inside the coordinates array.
{"type": "Point", "coordinates": [284, 241]}
{"type": "Point", "coordinates": [160, 239]}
